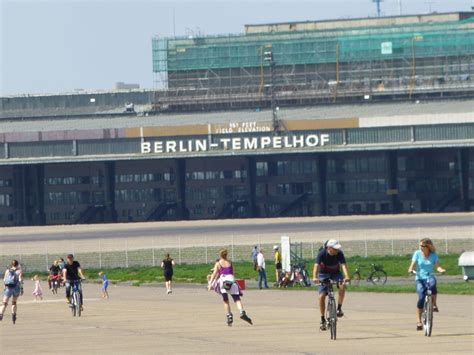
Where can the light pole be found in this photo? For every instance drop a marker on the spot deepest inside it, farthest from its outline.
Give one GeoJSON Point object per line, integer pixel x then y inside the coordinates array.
{"type": "Point", "coordinates": [268, 57]}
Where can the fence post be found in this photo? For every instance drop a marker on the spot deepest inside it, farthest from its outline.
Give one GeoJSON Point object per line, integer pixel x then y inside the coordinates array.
{"type": "Point", "coordinates": [153, 250]}
{"type": "Point", "coordinates": [100, 254]}
{"type": "Point", "coordinates": [126, 253]}
{"type": "Point", "coordinates": [446, 239]}
{"type": "Point", "coordinates": [179, 250]}
{"type": "Point", "coordinates": [232, 248]}
{"type": "Point", "coordinates": [205, 243]}
{"type": "Point", "coordinates": [365, 247]}
{"type": "Point", "coordinates": [391, 237]}
{"type": "Point", "coordinates": [312, 249]}
{"type": "Point", "coordinates": [46, 255]}
{"type": "Point", "coordinates": [258, 241]}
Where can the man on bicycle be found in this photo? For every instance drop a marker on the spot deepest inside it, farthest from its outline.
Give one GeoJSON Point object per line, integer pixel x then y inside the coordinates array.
{"type": "Point", "coordinates": [328, 266]}
{"type": "Point", "coordinates": [72, 274]}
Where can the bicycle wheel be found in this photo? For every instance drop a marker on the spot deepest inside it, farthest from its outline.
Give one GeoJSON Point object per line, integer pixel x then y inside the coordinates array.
{"type": "Point", "coordinates": [356, 278]}
{"type": "Point", "coordinates": [333, 317]}
{"type": "Point", "coordinates": [73, 304]}
{"type": "Point", "coordinates": [428, 321]}
{"type": "Point", "coordinates": [78, 303]}
{"type": "Point", "coordinates": [378, 277]}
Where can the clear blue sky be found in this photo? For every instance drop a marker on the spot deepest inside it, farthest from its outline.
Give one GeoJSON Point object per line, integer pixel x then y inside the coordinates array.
{"type": "Point", "coordinates": [59, 46]}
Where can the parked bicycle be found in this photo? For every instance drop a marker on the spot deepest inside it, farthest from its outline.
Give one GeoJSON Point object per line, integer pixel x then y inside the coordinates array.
{"type": "Point", "coordinates": [377, 275]}
{"type": "Point", "coordinates": [297, 276]}
{"type": "Point", "coordinates": [76, 304]}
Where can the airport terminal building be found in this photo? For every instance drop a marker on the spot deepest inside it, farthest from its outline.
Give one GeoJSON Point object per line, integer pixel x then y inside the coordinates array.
{"type": "Point", "coordinates": [345, 140]}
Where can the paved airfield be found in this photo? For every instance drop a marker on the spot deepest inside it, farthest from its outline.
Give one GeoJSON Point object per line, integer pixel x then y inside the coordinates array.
{"type": "Point", "coordinates": [266, 226]}
{"type": "Point", "coordinates": [192, 320]}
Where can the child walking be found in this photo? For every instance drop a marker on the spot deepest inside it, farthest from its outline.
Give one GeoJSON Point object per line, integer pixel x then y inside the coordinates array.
{"type": "Point", "coordinates": [223, 282]}
{"type": "Point", "coordinates": [105, 285]}
{"type": "Point", "coordinates": [38, 291]}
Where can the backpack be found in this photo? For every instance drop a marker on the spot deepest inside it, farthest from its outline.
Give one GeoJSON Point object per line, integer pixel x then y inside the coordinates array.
{"type": "Point", "coordinates": [11, 278]}
{"type": "Point", "coordinates": [322, 247]}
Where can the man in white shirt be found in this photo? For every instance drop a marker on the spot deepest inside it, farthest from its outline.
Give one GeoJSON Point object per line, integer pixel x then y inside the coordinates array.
{"type": "Point", "coordinates": [262, 275]}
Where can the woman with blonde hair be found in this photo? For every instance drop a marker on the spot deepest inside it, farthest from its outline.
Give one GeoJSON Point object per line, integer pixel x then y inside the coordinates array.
{"type": "Point", "coordinates": [223, 282]}
{"type": "Point", "coordinates": [424, 260]}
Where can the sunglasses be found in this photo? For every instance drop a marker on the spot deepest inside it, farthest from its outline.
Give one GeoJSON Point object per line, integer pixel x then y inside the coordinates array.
{"type": "Point", "coordinates": [423, 246]}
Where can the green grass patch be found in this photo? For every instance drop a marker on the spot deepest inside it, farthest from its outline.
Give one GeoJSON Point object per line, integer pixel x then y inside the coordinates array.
{"type": "Point", "coordinates": [395, 266]}
{"type": "Point", "coordinates": [453, 288]}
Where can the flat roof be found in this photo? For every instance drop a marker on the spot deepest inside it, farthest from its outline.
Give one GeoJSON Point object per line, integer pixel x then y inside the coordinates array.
{"type": "Point", "coordinates": [371, 114]}
{"type": "Point", "coordinates": [433, 14]}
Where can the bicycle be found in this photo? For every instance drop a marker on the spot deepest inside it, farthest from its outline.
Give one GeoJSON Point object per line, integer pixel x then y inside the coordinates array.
{"type": "Point", "coordinates": [331, 309]}
{"type": "Point", "coordinates": [377, 275]}
{"type": "Point", "coordinates": [427, 315]}
{"type": "Point", "coordinates": [55, 283]}
{"type": "Point", "coordinates": [76, 304]}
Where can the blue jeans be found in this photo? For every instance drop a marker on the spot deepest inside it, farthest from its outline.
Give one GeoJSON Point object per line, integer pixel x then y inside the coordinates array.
{"type": "Point", "coordinates": [422, 287]}
{"type": "Point", "coordinates": [262, 276]}
{"type": "Point", "coordinates": [69, 286]}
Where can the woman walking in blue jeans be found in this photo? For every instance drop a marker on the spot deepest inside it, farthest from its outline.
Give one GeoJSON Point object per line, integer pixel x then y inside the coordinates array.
{"type": "Point", "coordinates": [424, 260]}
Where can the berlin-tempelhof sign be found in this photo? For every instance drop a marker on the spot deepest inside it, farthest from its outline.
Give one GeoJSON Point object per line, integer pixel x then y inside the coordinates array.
{"type": "Point", "coordinates": [235, 144]}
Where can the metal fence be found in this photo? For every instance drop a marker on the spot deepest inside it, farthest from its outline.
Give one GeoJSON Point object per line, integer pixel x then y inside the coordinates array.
{"type": "Point", "coordinates": [114, 253]}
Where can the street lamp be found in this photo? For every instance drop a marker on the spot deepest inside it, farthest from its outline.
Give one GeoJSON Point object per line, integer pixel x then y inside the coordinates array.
{"type": "Point", "coordinates": [268, 57]}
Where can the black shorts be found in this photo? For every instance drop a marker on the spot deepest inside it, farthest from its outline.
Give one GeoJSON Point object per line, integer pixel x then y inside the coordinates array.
{"type": "Point", "coordinates": [168, 276]}
{"type": "Point", "coordinates": [278, 266]}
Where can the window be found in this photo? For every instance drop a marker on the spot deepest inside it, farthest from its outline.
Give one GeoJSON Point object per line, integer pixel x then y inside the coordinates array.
{"type": "Point", "coordinates": [262, 168]}
{"type": "Point", "coordinates": [5, 182]}
{"type": "Point", "coordinates": [6, 200]}
{"type": "Point", "coordinates": [283, 189]}
{"type": "Point", "coordinates": [261, 189]}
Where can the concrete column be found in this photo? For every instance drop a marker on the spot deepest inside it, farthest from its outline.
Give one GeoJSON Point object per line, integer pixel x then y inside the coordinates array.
{"type": "Point", "coordinates": [322, 175]}
{"type": "Point", "coordinates": [463, 164]}
{"type": "Point", "coordinates": [110, 214]}
{"type": "Point", "coordinates": [181, 189]}
{"type": "Point", "coordinates": [392, 175]}
{"type": "Point", "coordinates": [252, 185]}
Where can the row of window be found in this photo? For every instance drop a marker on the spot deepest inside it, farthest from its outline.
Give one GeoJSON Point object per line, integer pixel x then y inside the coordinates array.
{"type": "Point", "coordinates": [72, 180]}
{"type": "Point", "coordinates": [296, 188]}
{"type": "Point", "coordinates": [5, 182]}
{"type": "Point", "coordinates": [361, 186]}
{"type": "Point", "coordinates": [228, 192]}
{"type": "Point", "coordinates": [286, 167]}
{"type": "Point", "coordinates": [6, 200]}
{"type": "Point", "coordinates": [200, 210]}
{"type": "Point", "coordinates": [143, 195]}
{"type": "Point", "coordinates": [146, 177]}
{"type": "Point", "coordinates": [428, 185]}
{"type": "Point", "coordinates": [357, 165]}
{"type": "Point", "coordinates": [216, 175]}
{"type": "Point", "coordinates": [58, 216]}
{"type": "Point", "coordinates": [419, 163]}
{"type": "Point", "coordinates": [75, 197]}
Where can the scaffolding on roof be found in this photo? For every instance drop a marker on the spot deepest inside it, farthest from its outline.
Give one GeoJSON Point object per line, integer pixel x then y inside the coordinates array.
{"type": "Point", "coordinates": [350, 61]}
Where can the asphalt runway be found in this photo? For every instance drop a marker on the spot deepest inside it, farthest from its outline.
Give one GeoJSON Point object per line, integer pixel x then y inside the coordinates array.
{"type": "Point", "coordinates": [144, 320]}
{"type": "Point", "coordinates": [238, 227]}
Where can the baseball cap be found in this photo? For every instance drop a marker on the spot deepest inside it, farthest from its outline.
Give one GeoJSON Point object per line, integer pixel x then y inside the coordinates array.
{"type": "Point", "coordinates": [332, 243]}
